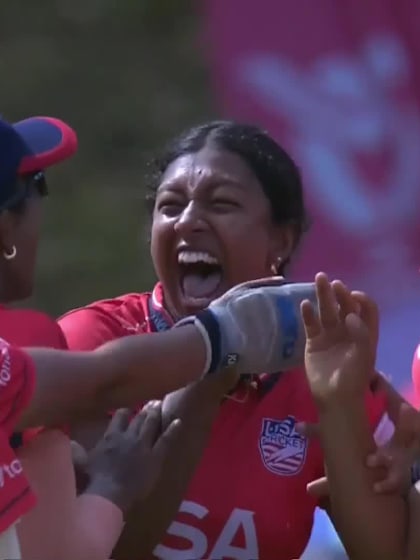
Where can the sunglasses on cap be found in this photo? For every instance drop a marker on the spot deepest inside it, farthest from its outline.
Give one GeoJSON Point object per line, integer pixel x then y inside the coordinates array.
{"type": "Point", "coordinates": [26, 186]}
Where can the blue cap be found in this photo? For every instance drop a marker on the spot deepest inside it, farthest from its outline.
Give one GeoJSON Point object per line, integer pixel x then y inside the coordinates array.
{"type": "Point", "coordinates": [29, 146]}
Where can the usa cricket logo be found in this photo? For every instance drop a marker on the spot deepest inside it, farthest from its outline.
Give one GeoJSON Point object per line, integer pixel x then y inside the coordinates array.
{"type": "Point", "coordinates": [282, 449]}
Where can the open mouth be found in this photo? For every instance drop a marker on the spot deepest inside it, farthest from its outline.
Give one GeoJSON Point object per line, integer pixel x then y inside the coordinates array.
{"type": "Point", "coordinates": [201, 276]}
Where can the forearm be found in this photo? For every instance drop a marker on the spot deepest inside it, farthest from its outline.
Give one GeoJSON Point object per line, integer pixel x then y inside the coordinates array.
{"type": "Point", "coordinates": [159, 364]}
{"type": "Point", "coordinates": [93, 531]}
{"type": "Point", "coordinates": [370, 525]}
{"type": "Point", "coordinates": [63, 527]}
{"type": "Point", "coordinates": [197, 406]}
{"type": "Point", "coordinates": [121, 373]}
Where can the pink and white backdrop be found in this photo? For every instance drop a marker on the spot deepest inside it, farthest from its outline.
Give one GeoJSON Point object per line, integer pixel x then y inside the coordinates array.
{"type": "Point", "coordinates": [338, 84]}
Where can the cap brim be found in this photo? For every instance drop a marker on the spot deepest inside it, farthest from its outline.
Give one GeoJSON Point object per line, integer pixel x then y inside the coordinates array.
{"type": "Point", "coordinates": [49, 141]}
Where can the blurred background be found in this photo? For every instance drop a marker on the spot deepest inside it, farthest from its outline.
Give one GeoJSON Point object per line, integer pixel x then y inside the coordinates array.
{"type": "Point", "coordinates": [337, 83]}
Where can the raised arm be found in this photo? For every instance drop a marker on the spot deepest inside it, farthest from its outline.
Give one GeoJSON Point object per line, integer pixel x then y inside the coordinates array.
{"type": "Point", "coordinates": [339, 361]}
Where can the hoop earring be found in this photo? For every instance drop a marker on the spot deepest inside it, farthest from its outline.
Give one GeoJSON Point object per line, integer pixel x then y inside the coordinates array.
{"type": "Point", "coordinates": [275, 267]}
{"type": "Point", "coordinates": [10, 256]}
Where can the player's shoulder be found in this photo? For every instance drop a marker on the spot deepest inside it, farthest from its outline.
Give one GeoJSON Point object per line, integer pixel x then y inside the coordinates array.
{"type": "Point", "coordinates": [132, 301]}
{"type": "Point", "coordinates": [89, 326]}
{"type": "Point", "coordinates": [28, 327]}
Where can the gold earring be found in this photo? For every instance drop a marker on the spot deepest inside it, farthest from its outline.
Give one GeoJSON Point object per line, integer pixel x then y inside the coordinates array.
{"type": "Point", "coordinates": [10, 255]}
{"type": "Point", "coordinates": [275, 267]}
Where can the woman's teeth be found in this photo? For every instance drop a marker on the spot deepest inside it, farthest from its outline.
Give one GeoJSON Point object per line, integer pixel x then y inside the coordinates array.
{"type": "Point", "coordinates": [193, 257]}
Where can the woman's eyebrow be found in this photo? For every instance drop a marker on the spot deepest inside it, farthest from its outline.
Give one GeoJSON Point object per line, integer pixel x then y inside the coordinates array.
{"type": "Point", "coordinates": [206, 183]}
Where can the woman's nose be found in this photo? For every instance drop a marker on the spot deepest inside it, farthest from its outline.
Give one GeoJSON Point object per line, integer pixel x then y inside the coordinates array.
{"type": "Point", "coordinates": [191, 219]}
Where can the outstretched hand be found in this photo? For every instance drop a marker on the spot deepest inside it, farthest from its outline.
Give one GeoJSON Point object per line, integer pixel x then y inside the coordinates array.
{"type": "Point", "coordinates": [340, 341]}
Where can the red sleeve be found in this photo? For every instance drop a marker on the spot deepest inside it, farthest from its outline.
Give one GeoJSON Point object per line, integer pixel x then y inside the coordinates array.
{"type": "Point", "coordinates": [88, 328]}
{"type": "Point", "coordinates": [17, 381]}
{"type": "Point", "coordinates": [29, 328]}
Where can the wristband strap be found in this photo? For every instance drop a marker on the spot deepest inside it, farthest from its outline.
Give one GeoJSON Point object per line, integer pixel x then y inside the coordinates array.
{"type": "Point", "coordinates": [209, 328]}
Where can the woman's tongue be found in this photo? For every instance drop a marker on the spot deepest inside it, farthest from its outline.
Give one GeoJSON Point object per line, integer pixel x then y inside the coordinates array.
{"type": "Point", "coordinates": [196, 286]}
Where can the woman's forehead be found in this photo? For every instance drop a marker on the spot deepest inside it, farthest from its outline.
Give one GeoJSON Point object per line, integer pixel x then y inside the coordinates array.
{"type": "Point", "coordinates": [209, 164]}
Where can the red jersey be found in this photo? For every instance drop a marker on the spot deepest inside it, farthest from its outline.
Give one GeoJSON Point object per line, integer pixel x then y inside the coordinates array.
{"type": "Point", "coordinates": [16, 388]}
{"type": "Point", "coordinates": [28, 328]}
{"type": "Point", "coordinates": [247, 499]}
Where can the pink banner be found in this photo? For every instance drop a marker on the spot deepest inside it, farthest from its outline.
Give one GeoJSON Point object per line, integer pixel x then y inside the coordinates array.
{"type": "Point", "coordinates": [338, 84]}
